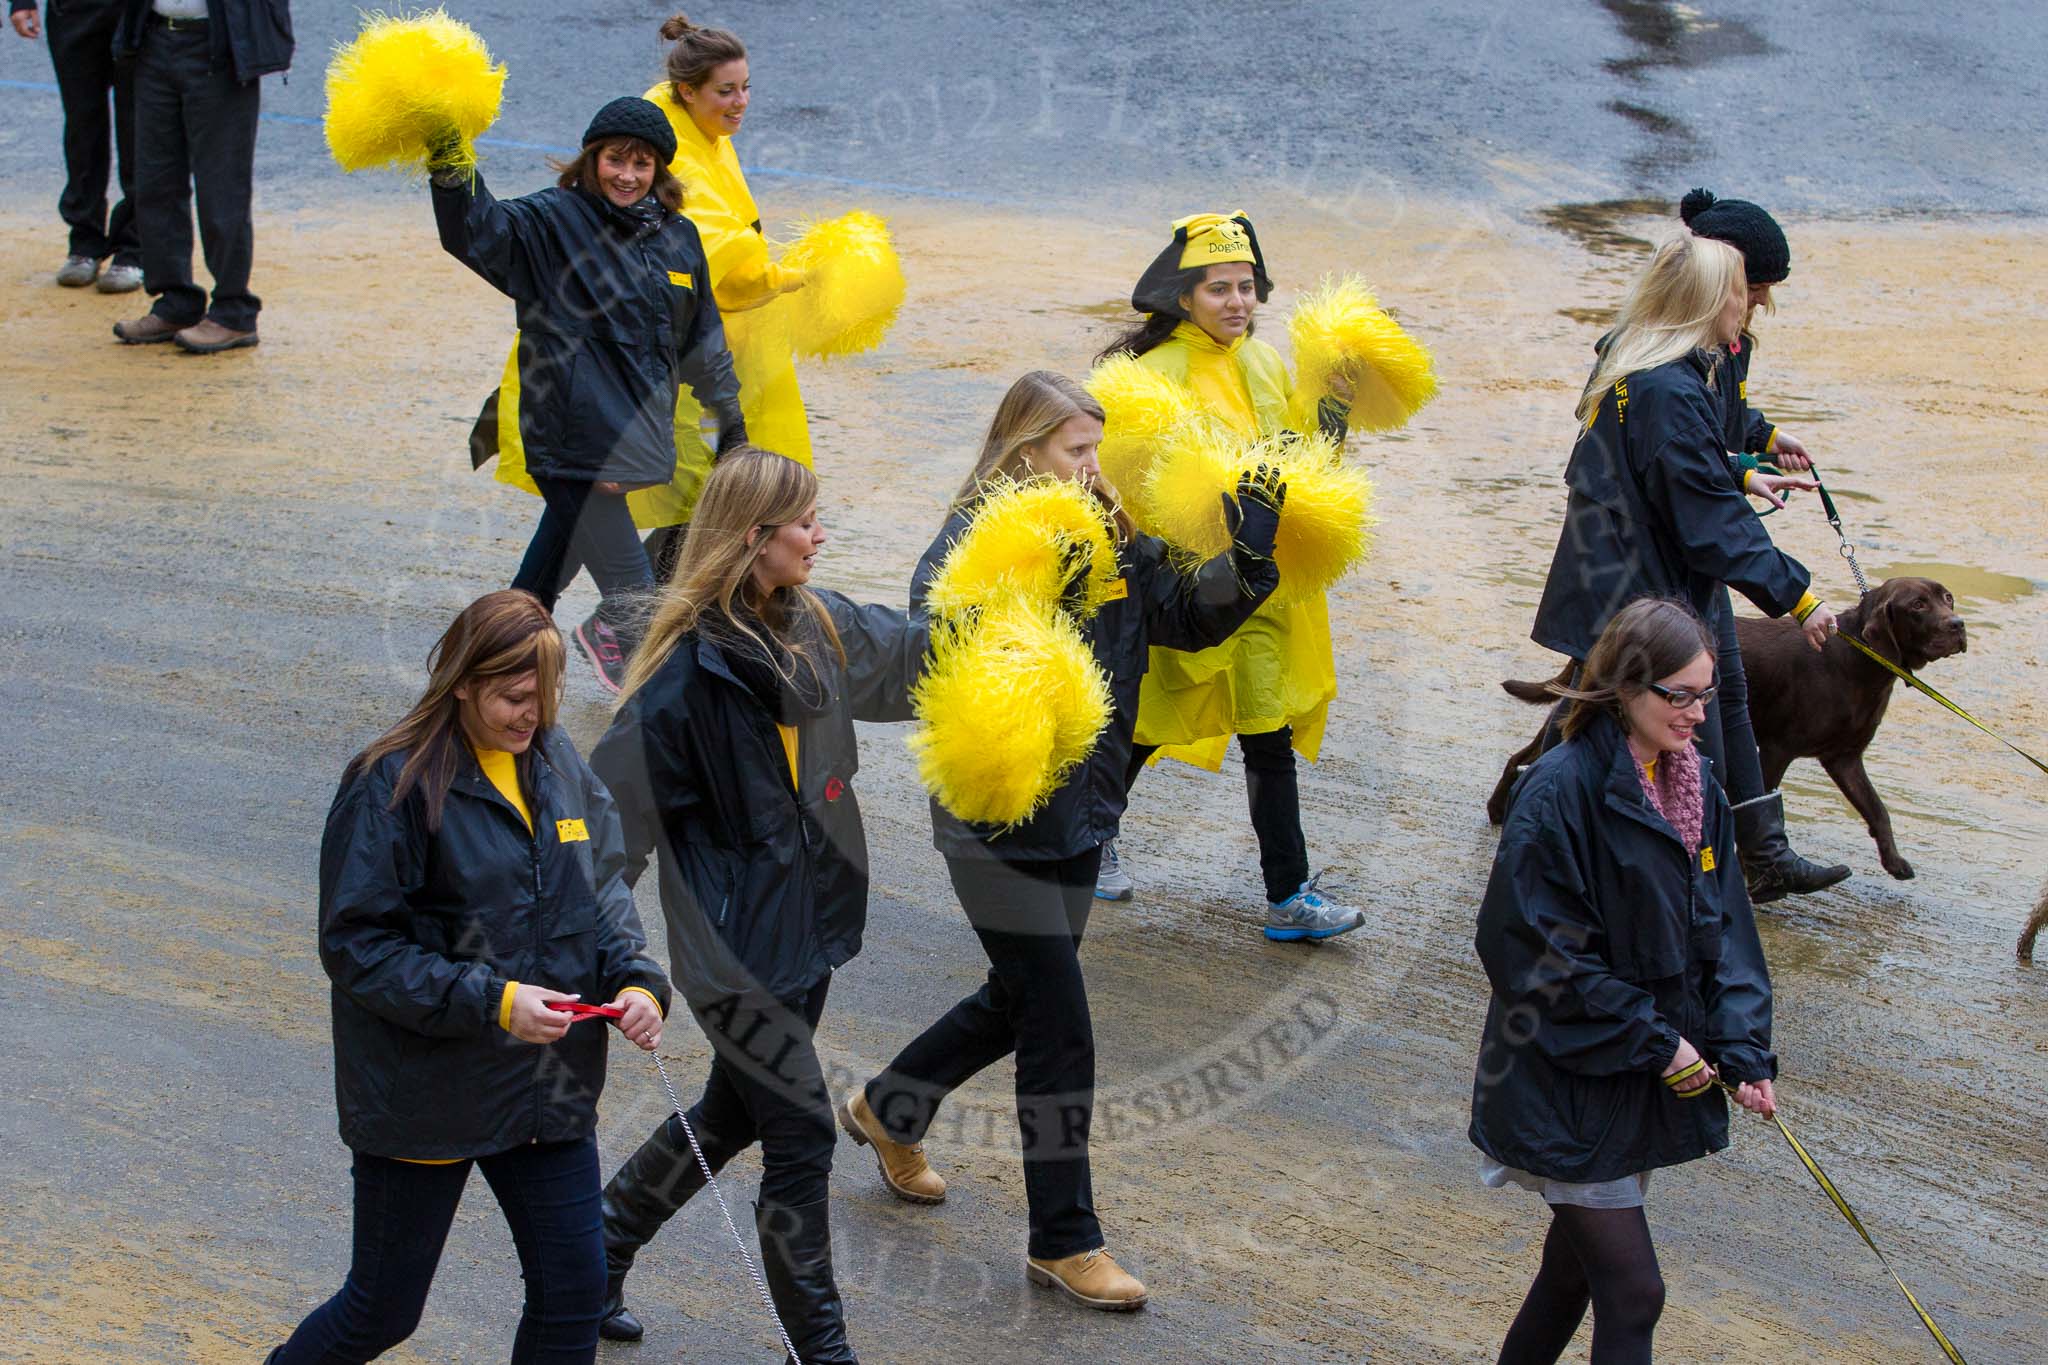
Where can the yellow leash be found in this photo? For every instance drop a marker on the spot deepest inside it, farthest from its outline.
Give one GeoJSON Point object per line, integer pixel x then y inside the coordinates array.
{"type": "Point", "coordinates": [1918, 686]}
{"type": "Point", "coordinates": [1834, 1195]}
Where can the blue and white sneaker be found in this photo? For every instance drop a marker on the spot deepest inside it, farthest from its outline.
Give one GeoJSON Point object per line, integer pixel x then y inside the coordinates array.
{"type": "Point", "coordinates": [1306, 915]}
{"type": "Point", "coordinates": [1112, 883]}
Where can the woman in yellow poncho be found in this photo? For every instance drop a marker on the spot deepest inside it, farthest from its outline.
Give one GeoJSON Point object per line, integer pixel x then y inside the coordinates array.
{"type": "Point", "coordinates": [705, 97]}
{"type": "Point", "coordinates": [1272, 683]}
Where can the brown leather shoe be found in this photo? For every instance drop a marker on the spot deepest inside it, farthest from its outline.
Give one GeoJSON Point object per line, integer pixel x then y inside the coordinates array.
{"type": "Point", "coordinates": [207, 336]}
{"type": "Point", "coordinates": [145, 329]}
{"type": "Point", "coordinates": [904, 1170]}
{"type": "Point", "coordinates": [1090, 1278]}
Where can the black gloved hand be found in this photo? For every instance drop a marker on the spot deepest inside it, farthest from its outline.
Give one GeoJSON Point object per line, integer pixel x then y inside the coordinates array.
{"type": "Point", "coordinates": [731, 436]}
{"type": "Point", "coordinates": [1254, 516]}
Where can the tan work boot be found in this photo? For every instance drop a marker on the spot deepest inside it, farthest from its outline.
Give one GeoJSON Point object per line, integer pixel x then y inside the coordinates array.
{"type": "Point", "coordinates": [904, 1170]}
{"type": "Point", "coordinates": [145, 330]}
{"type": "Point", "coordinates": [207, 337]}
{"type": "Point", "coordinates": [1091, 1278]}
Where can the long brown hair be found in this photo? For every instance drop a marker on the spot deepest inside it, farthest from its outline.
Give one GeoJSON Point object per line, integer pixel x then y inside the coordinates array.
{"type": "Point", "coordinates": [748, 490]}
{"type": "Point", "coordinates": [580, 171]}
{"type": "Point", "coordinates": [697, 53]}
{"type": "Point", "coordinates": [1650, 638]}
{"type": "Point", "coordinates": [499, 636]}
{"type": "Point", "coordinates": [1035, 407]}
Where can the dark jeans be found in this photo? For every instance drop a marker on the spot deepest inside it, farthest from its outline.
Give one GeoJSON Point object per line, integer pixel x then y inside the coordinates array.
{"type": "Point", "coordinates": [1742, 767]}
{"type": "Point", "coordinates": [767, 1086]}
{"type": "Point", "coordinates": [195, 131]}
{"type": "Point", "coordinates": [584, 526]}
{"type": "Point", "coordinates": [403, 1211]}
{"type": "Point", "coordinates": [89, 82]}
{"type": "Point", "coordinates": [1274, 793]}
{"type": "Point", "coordinates": [1030, 917]}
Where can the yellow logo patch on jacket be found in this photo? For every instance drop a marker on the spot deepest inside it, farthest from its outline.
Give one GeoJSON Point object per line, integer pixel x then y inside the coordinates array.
{"type": "Point", "coordinates": [571, 832]}
{"type": "Point", "coordinates": [1117, 591]}
{"type": "Point", "coordinates": [681, 278]}
{"type": "Point", "coordinates": [1707, 859]}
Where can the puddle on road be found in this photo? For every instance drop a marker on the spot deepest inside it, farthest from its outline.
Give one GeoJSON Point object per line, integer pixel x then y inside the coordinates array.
{"type": "Point", "coordinates": [1598, 227]}
{"type": "Point", "coordinates": [1964, 580]}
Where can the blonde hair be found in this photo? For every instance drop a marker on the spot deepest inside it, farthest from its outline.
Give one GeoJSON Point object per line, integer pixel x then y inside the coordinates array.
{"type": "Point", "coordinates": [1036, 407]}
{"type": "Point", "coordinates": [749, 490]}
{"type": "Point", "coordinates": [498, 637]}
{"type": "Point", "coordinates": [1671, 311]}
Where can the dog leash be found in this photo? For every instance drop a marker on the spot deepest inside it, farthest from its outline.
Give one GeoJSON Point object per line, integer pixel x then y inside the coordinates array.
{"type": "Point", "coordinates": [760, 1281]}
{"type": "Point", "coordinates": [1905, 675]}
{"type": "Point", "coordinates": [1834, 1195]}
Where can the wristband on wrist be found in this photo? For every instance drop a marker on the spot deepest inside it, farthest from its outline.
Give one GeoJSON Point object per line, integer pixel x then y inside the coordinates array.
{"type": "Point", "coordinates": [1677, 1079]}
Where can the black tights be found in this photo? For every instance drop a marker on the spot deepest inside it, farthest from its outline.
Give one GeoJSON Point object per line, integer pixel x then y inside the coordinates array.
{"type": "Point", "coordinates": [1597, 1256]}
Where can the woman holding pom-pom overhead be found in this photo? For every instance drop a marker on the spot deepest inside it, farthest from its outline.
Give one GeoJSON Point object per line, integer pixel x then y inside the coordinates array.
{"type": "Point", "coordinates": [615, 314]}
{"type": "Point", "coordinates": [1273, 682]}
{"type": "Point", "coordinates": [1027, 886]}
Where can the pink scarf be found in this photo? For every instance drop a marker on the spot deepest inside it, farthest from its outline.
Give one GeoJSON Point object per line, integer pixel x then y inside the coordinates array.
{"type": "Point", "coordinates": [1675, 793]}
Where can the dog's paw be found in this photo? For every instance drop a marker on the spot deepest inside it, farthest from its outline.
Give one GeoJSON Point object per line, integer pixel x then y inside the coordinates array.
{"type": "Point", "coordinates": [1898, 867]}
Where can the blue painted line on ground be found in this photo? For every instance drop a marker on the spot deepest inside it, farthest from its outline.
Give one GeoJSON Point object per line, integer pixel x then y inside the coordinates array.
{"type": "Point", "coordinates": [769, 172]}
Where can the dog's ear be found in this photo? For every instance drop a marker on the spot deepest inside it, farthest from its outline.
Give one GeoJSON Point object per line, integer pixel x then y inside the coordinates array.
{"type": "Point", "coordinates": [1880, 628]}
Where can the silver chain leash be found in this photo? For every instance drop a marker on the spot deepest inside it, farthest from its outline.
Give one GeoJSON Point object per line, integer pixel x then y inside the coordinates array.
{"type": "Point", "coordinates": [760, 1281]}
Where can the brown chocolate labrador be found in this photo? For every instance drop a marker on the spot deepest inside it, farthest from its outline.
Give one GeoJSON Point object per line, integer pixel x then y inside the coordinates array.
{"type": "Point", "coordinates": [1827, 705]}
{"type": "Point", "coordinates": [1822, 704]}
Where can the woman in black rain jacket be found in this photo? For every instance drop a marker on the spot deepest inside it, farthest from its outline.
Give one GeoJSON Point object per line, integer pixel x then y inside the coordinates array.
{"type": "Point", "coordinates": [733, 758]}
{"type": "Point", "coordinates": [471, 884]}
{"type": "Point", "coordinates": [1027, 889]}
{"type": "Point", "coordinates": [615, 312]}
{"type": "Point", "coordinates": [1627, 977]}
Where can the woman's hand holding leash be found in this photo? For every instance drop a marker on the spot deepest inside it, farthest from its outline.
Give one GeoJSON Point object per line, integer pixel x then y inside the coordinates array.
{"type": "Point", "coordinates": [534, 1020]}
{"type": "Point", "coordinates": [1757, 1098]}
{"type": "Point", "coordinates": [1689, 1076]}
{"type": "Point", "coordinates": [1773, 487]}
{"type": "Point", "coordinates": [641, 1022]}
{"type": "Point", "coordinates": [1789, 452]}
{"type": "Point", "coordinates": [1819, 625]}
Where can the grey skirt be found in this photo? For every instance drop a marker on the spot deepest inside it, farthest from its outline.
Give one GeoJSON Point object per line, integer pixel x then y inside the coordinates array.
{"type": "Point", "coordinates": [1623, 1192]}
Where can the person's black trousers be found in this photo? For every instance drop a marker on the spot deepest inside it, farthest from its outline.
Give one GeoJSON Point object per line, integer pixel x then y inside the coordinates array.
{"type": "Point", "coordinates": [98, 95]}
{"type": "Point", "coordinates": [1741, 766]}
{"type": "Point", "coordinates": [1030, 917]}
{"type": "Point", "coordinates": [583, 527]}
{"type": "Point", "coordinates": [1273, 792]}
{"type": "Point", "coordinates": [767, 1086]}
{"type": "Point", "coordinates": [403, 1210]}
{"type": "Point", "coordinates": [195, 132]}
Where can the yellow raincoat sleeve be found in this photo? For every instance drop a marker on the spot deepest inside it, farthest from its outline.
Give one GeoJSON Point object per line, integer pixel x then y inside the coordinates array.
{"type": "Point", "coordinates": [1280, 667]}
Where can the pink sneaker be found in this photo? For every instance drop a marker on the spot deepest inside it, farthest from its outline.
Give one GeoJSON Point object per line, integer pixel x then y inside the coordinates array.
{"type": "Point", "coordinates": [597, 642]}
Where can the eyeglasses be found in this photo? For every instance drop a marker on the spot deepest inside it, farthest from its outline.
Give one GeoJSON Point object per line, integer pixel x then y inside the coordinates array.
{"type": "Point", "coordinates": [1682, 697]}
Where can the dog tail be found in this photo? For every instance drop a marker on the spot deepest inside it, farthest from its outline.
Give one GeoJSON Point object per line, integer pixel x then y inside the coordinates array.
{"type": "Point", "coordinates": [2033, 929]}
{"type": "Point", "coordinates": [1540, 693]}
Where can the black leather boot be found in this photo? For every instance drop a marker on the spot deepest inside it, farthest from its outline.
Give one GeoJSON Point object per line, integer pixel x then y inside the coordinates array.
{"type": "Point", "coordinates": [1769, 865]}
{"type": "Point", "coordinates": [796, 1259]}
{"type": "Point", "coordinates": [656, 1180]}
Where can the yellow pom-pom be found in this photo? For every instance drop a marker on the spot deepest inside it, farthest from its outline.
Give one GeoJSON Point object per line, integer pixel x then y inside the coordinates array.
{"type": "Point", "coordinates": [1006, 711]}
{"type": "Point", "coordinates": [1341, 333]}
{"type": "Point", "coordinates": [853, 285]}
{"type": "Point", "coordinates": [1326, 523]}
{"type": "Point", "coordinates": [1139, 407]}
{"type": "Point", "coordinates": [1198, 462]}
{"type": "Point", "coordinates": [405, 82]}
{"type": "Point", "coordinates": [1027, 541]}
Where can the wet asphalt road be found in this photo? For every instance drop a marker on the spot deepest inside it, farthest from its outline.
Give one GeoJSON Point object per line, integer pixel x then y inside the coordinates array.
{"type": "Point", "coordinates": [1834, 107]}
{"type": "Point", "coordinates": [156, 1141]}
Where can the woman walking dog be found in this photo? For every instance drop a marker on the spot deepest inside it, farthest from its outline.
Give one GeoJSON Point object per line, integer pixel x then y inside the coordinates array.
{"type": "Point", "coordinates": [1653, 509]}
{"type": "Point", "coordinates": [1027, 888]}
{"type": "Point", "coordinates": [470, 887]}
{"type": "Point", "coordinates": [732, 759]}
{"type": "Point", "coordinates": [615, 314]}
{"type": "Point", "coordinates": [1627, 978]}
